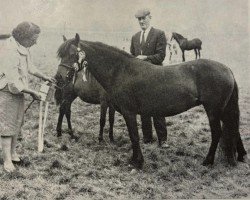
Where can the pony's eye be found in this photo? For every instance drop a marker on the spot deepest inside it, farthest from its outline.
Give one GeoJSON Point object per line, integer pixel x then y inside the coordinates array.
{"type": "Point", "coordinates": [70, 75]}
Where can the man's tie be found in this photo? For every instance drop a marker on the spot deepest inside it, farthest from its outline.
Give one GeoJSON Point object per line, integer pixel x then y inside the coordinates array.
{"type": "Point", "coordinates": [143, 41]}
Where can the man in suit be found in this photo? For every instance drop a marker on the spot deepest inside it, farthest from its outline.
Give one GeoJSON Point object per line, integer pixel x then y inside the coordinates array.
{"type": "Point", "coordinates": [149, 45]}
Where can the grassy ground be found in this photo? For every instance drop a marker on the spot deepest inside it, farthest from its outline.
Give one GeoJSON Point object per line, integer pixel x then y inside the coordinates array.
{"type": "Point", "coordinates": [85, 169]}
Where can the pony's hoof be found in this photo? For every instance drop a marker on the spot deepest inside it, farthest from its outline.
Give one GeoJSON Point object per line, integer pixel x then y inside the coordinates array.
{"type": "Point", "coordinates": [101, 140]}
{"type": "Point", "coordinates": [59, 134]}
{"type": "Point", "coordinates": [207, 162]}
{"type": "Point", "coordinates": [242, 158]}
{"type": "Point", "coordinates": [136, 163]}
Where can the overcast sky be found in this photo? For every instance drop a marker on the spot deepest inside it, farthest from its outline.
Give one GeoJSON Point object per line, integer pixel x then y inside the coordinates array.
{"type": "Point", "coordinates": [217, 16]}
{"type": "Point", "coordinates": [222, 25]}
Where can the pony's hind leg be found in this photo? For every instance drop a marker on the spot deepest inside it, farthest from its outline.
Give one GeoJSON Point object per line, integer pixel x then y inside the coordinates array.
{"type": "Point", "coordinates": [104, 108]}
{"type": "Point", "coordinates": [199, 53]}
{"type": "Point", "coordinates": [216, 131]}
{"type": "Point", "coordinates": [195, 51]}
{"type": "Point", "coordinates": [111, 123]}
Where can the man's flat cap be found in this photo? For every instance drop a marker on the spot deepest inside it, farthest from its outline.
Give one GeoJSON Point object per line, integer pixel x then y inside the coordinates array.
{"type": "Point", "coordinates": [142, 13]}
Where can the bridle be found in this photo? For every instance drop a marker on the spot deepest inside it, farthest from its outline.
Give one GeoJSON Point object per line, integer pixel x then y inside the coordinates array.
{"type": "Point", "coordinates": [72, 68]}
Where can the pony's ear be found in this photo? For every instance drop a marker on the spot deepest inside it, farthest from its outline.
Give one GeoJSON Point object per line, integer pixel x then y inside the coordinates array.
{"type": "Point", "coordinates": [64, 38]}
{"type": "Point", "coordinates": [77, 39]}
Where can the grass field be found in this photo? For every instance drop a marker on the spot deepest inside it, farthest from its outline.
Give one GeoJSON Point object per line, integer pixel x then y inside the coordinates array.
{"type": "Point", "coordinates": [85, 169]}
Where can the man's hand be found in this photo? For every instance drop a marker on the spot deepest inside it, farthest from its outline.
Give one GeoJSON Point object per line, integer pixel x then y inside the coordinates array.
{"type": "Point", "coordinates": [142, 57]}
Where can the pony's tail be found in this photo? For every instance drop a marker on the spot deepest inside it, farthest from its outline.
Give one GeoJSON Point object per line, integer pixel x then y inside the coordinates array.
{"type": "Point", "coordinates": [230, 127]}
{"type": "Point", "coordinates": [200, 45]}
{"type": "Point", "coordinates": [58, 96]}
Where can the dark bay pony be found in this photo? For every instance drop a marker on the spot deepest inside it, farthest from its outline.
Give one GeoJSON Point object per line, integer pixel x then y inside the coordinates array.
{"type": "Point", "coordinates": [137, 87]}
{"type": "Point", "coordinates": [186, 44]}
{"type": "Point", "coordinates": [88, 90]}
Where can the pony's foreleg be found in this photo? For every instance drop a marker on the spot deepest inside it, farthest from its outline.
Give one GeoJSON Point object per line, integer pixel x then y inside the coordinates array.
{"type": "Point", "coordinates": [183, 55]}
{"type": "Point", "coordinates": [137, 158]}
{"type": "Point", "coordinates": [199, 53]}
{"type": "Point", "coordinates": [60, 119]}
{"type": "Point", "coordinates": [216, 131]}
{"type": "Point", "coordinates": [68, 116]}
{"type": "Point", "coordinates": [195, 51]}
{"type": "Point", "coordinates": [111, 123]}
{"type": "Point", "coordinates": [104, 108]}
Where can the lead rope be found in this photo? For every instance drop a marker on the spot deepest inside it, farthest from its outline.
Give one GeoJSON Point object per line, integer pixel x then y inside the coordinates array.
{"type": "Point", "coordinates": [29, 105]}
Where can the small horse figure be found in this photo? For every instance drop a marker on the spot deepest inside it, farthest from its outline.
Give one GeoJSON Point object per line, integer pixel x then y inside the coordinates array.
{"type": "Point", "coordinates": [137, 87]}
{"type": "Point", "coordinates": [186, 44]}
{"type": "Point", "coordinates": [72, 84]}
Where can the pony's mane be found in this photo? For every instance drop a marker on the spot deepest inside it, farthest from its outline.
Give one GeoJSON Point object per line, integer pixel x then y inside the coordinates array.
{"type": "Point", "coordinates": [63, 49]}
{"type": "Point", "coordinates": [178, 35]}
{"type": "Point", "coordinates": [109, 48]}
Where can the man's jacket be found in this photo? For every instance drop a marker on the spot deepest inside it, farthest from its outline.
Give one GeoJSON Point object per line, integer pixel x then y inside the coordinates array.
{"type": "Point", "coordinates": [154, 48]}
